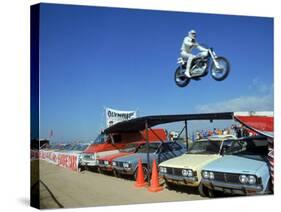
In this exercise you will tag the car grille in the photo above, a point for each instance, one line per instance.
(174, 171)
(101, 162)
(226, 177)
(118, 163)
(87, 157)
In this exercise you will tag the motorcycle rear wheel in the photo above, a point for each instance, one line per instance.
(220, 74)
(180, 79)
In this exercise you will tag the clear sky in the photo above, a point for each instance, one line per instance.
(93, 57)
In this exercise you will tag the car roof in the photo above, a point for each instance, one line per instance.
(221, 137)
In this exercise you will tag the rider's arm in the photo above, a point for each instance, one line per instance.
(201, 48)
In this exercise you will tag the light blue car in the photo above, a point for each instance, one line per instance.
(245, 172)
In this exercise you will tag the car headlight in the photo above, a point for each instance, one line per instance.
(106, 162)
(126, 165)
(252, 179)
(184, 172)
(163, 169)
(205, 174)
(189, 173)
(243, 179)
(114, 163)
(211, 175)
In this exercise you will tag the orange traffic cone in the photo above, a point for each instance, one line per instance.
(154, 187)
(140, 176)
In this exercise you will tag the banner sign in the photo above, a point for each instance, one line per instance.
(115, 116)
(67, 160)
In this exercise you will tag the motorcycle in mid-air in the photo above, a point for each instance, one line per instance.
(219, 68)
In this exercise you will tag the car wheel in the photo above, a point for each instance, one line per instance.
(170, 185)
(115, 173)
(145, 173)
(204, 191)
(99, 170)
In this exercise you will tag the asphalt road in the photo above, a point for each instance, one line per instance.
(63, 188)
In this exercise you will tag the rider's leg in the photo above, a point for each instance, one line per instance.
(188, 64)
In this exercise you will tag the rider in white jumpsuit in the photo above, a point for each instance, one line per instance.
(188, 44)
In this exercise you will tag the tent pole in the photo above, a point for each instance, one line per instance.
(147, 154)
(186, 134)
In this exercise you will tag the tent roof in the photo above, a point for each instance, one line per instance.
(138, 124)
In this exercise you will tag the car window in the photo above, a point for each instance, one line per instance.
(232, 147)
(252, 149)
(205, 147)
(131, 147)
(175, 146)
(153, 147)
(101, 139)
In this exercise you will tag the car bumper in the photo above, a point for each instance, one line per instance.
(105, 167)
(121, 170)
(88, 163)
(232, 188)
(181, 180)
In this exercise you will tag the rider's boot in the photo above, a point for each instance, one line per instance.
(188, 64)
(187, 73)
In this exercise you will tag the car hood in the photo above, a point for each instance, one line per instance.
(235, 164)
(191, 161)
(134, 157)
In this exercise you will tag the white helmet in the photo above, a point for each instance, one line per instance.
(192, 34)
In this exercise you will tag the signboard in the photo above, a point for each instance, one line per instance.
(67, 160)
(114, 116)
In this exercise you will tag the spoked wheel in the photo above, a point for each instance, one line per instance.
(222, 72)
(181, 79)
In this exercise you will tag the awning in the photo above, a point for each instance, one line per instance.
(259, 122)
(138, 124)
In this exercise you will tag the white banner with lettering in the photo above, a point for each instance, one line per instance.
(115, 116)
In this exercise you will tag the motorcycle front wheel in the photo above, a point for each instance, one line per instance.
(180, 79)
(221, 73)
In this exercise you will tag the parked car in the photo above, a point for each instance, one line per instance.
(160, 151)
(185, 169)
(110, 144)
(105, 163)
(244, 172)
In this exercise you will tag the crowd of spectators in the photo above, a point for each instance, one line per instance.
(236, 130)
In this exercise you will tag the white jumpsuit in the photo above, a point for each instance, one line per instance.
(186, 52)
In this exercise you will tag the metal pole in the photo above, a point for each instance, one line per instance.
(186, 134)
(147, 154)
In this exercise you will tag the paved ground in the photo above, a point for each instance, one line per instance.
(60, 187)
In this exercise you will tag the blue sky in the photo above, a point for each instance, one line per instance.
(92, 57)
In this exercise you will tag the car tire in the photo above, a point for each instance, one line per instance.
(203, 190)
(169, 185)
(99, 170)
(145, 172)
(116, 173)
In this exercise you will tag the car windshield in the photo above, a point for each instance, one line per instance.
(130, 147)
(101, 139)
(152, 148)
(256, 150)
(205, 147)
(68, 147)
(80, 147)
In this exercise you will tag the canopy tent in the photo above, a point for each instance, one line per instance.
(138, 124)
